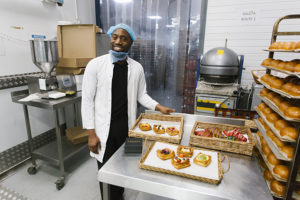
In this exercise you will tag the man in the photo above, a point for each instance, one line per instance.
(112, 85)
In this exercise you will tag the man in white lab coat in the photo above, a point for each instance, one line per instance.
(112, 85)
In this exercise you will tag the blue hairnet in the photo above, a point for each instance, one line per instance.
(129, 30)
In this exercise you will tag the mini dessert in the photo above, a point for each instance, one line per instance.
(273, 117)
(186, 151)
(145, 126)
(292, 112)
(268, 175)
(290, 132)
(282, 171)
(180, 162)
(281, 124)
(278, 187)
(159, 129)
(172, 131)
(202, 160)
(288, 151)
(273, 160)
(165, 153)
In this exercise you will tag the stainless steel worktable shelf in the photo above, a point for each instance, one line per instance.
(56, 152)
(243, 181)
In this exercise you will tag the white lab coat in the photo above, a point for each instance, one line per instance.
(96, 96)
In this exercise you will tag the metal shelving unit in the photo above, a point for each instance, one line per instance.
(290, 186)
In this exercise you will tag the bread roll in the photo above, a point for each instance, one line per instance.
(278, 142)
(271, 80)
(270, 133)
(281, 124)
(263, 142)
(297, 46)
(277, 100)
(289, 45)
(287, 87)
(264, 92)
(275, 63)
(262, 106)
(284, 106)
(266, 111)
(288, 150)
(273, 160)
(276, 45)
(273, 117)
(295, 90)
(290, 132)
(271, 95)
(266, 149)
(289, 66)
(268, 175)
(278, 187)
(261, 120)
(259, 134)
(266, 77)
(297, 68)
(277, 83)
(292, 112)
(282, 171)
(281, 65)
(266, 62)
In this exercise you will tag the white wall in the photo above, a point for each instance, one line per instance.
(249, 37)
(19, 20)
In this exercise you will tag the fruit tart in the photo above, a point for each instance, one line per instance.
(165, 153)
(159, 129)
(172, 131)
(180, 162)
(145, 126)
(202, 160)
(186, 151)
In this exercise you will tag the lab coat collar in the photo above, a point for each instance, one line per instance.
(129, 65)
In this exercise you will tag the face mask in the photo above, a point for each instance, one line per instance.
(117, 56)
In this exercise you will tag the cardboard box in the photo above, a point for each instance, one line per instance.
(77, 44)
(77, 135)
(67, 70)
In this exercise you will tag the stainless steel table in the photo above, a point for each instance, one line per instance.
(243, 181)
(60, 150)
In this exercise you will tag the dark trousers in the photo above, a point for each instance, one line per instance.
(117, 136)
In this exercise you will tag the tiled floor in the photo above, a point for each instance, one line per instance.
(81, 182)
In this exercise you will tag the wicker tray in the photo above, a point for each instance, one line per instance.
(158, 119)
(166, 166)
(223, 144)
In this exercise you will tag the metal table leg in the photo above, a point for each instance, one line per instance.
(106, 194)
(76, 122)
(32, 169)
(60, 182)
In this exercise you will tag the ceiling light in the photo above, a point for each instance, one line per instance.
(154, 17)
(123, 1)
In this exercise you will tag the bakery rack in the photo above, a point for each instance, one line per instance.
(290, 186)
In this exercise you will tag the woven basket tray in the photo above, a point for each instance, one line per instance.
(158, 137)
(178, 173)
(222, 144)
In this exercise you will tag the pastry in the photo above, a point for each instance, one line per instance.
(282, 171)
(295, 90)
(273, 117)
(281, 124)
(186, 151)
(289, 45)
(202, 160)
(277, 83)
(297, 46)
(268, 175)
(288, 151)
(165, 153)
(277, 100)
(275, 63)
(287, 87)
(172, 131)
(159, 129)
(216, 132)
(271, 95)
(290, 132)
(281, 65)
(266, 62)
(284, 106)
(289, 66)
(292, 112)
(267, 111)
(262, 106)
(270, 133)
(265, 78)
(264, 92)
(273, 160)
(278, 142)
(203, 132)
(266, 149)
(278, 187)
(145, 126)
(180, 162)
(297, 68)
(275, 45)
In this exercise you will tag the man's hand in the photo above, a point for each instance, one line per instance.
(163, 109)
(94, 141)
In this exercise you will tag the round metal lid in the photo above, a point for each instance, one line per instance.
(220, 56)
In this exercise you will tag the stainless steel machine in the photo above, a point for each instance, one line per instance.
(219, 75)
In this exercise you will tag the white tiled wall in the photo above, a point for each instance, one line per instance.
(248, 25)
